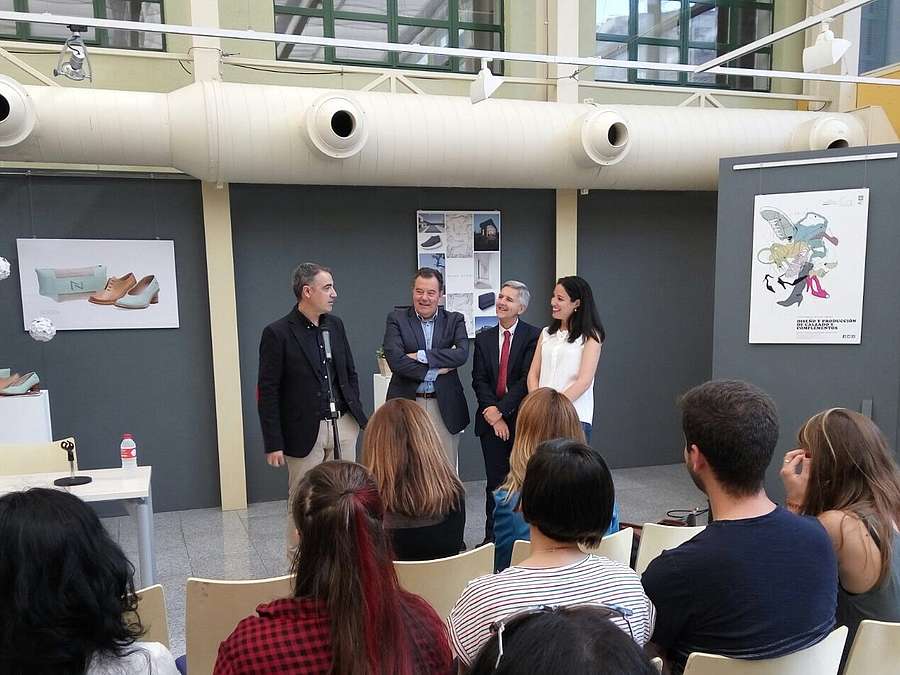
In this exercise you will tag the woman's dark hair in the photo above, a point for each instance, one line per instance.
(563, 640)
(65, 586)
(568, 492)
(585, 321)
(345, 560)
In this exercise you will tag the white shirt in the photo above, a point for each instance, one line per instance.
(149, 658)
(512, 334)
(560, 362)
(595, 579)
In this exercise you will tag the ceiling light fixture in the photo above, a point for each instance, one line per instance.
(827, 51)
(73, 57)
(485, 84)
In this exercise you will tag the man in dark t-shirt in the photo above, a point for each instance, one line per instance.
(759, 582)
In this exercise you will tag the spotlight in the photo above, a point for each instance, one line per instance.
(485, 84)
(73, 58)
(827, 51)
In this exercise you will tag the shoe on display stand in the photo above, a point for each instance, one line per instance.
(116, 287)
(4, 373)
(141, 296)
(21, 385)
(56, 282)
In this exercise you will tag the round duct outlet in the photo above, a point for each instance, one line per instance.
(17, 118)
(336, 126)
(600, 138)
(825, 133)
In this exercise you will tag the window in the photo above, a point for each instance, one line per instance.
(879, 43)
(683, 31)
(123, 10)
(473, 24)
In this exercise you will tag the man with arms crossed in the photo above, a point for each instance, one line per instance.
(293, 393)
(424, 345)
(499, 377)
(759, 582)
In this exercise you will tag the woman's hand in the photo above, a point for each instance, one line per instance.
(795, 477)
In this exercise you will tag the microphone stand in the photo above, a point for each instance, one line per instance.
(71, 479)
(332, 406)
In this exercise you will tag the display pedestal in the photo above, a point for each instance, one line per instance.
(380, 386)
(25, 418)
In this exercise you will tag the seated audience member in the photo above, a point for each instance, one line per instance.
(561, 641)
(544, 414)
(65, 590)
(759, 582)
(424, 500)
(845, 474)
(348, 615)
(567, 500)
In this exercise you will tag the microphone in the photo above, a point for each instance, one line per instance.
(326, 338)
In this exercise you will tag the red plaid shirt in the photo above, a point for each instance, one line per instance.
(293, 635)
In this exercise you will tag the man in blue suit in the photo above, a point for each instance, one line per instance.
(424, 345)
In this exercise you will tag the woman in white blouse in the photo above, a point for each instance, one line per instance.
(568, 350)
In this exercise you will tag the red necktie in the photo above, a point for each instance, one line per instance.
(504, 364)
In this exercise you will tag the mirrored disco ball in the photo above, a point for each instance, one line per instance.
(42, 329)
(4, 268)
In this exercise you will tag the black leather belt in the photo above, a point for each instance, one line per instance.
(429, 394)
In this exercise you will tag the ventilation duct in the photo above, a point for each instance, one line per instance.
(243, 133)
(17, 116)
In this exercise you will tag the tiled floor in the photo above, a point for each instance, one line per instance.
(250, 544)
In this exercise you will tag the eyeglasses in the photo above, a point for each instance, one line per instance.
(498, 627)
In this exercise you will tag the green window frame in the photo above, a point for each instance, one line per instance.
(695, 51)
(95, 37)
(486, 36)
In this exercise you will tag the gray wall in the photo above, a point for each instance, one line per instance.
(366, 235)
(649, 257)
(805, 379)
(156, 384)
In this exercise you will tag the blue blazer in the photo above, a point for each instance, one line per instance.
(509, 525)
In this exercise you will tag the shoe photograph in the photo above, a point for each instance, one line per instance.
(115, 288)
(141, 295)
(431, 242)
(20, 384)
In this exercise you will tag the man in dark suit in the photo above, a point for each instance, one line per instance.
(424, 345)
(293, 392)
(499, 377)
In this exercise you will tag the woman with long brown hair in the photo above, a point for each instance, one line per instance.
(348, 614)
(545, 414)
(424, 500)
(844, 474)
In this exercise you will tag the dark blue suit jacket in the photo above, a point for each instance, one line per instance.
(449, 349)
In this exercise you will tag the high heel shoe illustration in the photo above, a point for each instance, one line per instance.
(116, 287)
(142, 295)
(815, 288)
(22, 385)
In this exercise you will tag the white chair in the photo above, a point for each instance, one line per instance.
(214, 608)
(521, 550)
(152, 612)
(613, 546)
(658, 538)
(823, 658)
(440, 582)
(19, 458)
(875, 650)
(657, 663)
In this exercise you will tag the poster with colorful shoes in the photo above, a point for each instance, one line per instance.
(91, 284)
(808, 267)
(464, 246)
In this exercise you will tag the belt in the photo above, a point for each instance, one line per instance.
(327, 416)
(429, 394)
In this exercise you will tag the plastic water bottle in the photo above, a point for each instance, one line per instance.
(128, 451)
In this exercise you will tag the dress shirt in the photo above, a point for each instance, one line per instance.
(313, 335)
(512, 334)
(427, 386)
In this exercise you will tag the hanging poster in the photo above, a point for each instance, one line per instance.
(85, 284)
(465, 247)
(809, 263)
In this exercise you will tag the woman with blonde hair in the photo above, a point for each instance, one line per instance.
(424, 500)
(545, 414)
(844, 474)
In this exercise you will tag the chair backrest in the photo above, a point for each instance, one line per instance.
(823, 658)
(658, 538)
(440, 582)
(152, 611)
(615, 546)
(16, 458)
(875, 650)
(657, 663)
(214, 608)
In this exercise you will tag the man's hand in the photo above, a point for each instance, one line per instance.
(445, 371)
(501, 430)
(275, 458)
(492, 415)
(413, 356)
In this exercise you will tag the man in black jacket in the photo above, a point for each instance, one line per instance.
(499, 377)
(424, 345)
(293, 392)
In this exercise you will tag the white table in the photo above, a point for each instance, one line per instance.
(25, 418)
(129, 486)
(379, 388)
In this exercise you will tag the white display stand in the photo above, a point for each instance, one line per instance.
(380, 386)
(25, 418)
